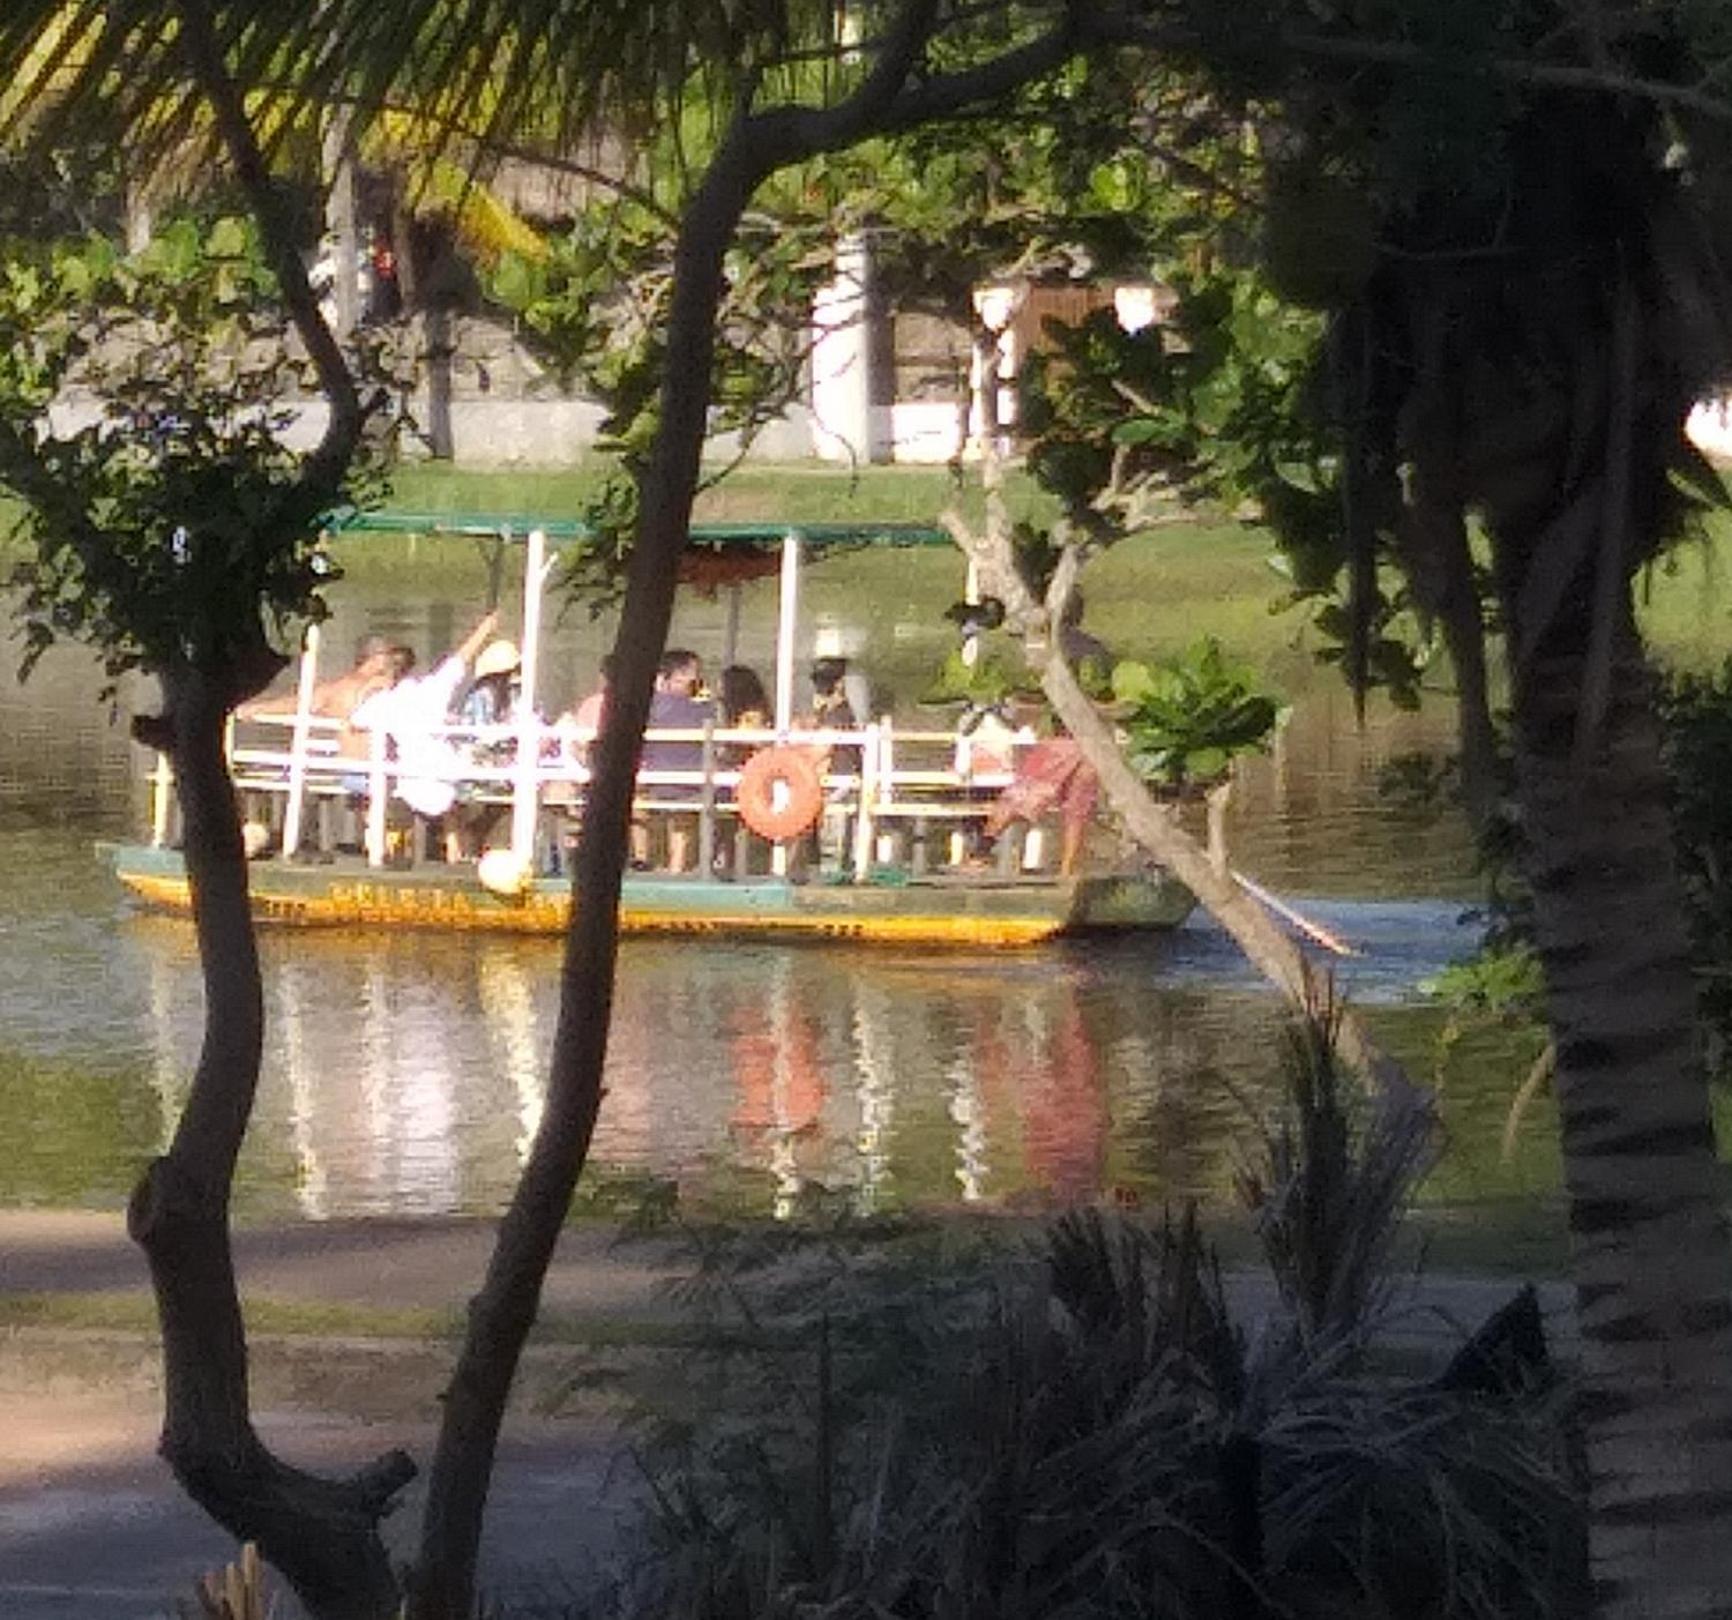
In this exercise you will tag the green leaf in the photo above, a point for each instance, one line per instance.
(1138, 430)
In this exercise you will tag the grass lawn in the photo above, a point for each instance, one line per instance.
(1147, 598)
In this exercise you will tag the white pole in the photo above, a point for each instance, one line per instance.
(377, 788)
(298, 743)
(731, 631)
(863, 817)
(525, 797)
(787, 624)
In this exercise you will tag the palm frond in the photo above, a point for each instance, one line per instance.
(1335, 1179)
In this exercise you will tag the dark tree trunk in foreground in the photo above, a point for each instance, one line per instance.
(321, 1534)
(502, 1314)
(1653, 1265)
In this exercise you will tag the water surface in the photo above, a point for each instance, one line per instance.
(404, 1072)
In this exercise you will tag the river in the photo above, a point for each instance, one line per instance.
(404, 1072)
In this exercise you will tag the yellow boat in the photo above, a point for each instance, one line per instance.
(943, 911)
(895, 823)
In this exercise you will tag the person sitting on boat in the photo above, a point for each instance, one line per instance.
(591, 712)
(832, 710)
(579, 726)
(570, 751)
(493, 709)
(745, 704)
(1052, 775)
(413, 715)
(338, 697)
(496, 692)
(379, 662)
(986, 739)
(675, 706)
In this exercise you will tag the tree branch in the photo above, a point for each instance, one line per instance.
(1288, 44)
(328, 464)
(1150, 823)
(945, 95)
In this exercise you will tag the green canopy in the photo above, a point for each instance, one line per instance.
(566, 531)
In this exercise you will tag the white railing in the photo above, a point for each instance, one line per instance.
(906, 784)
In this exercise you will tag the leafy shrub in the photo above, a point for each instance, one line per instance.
(1189, 719)
(176, 522)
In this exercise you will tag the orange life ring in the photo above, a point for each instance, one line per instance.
(796, 773)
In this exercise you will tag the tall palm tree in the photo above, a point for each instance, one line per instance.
(1526, 310)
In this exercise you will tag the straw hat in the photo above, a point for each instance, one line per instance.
(497, 658)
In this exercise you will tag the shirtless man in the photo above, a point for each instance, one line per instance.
(375, 667)
(379, 664)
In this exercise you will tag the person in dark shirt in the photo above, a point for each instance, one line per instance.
(675, 706)
(832, 710)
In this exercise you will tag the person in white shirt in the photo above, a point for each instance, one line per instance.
(413, 714)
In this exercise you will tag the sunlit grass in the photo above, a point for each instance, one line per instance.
(1149, 597)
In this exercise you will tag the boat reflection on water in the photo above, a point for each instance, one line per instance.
(404, 1074)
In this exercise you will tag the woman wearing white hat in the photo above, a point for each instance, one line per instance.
(490, 700)
(491, 708)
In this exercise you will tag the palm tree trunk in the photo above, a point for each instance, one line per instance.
(321, 1534)
(1652, 1263)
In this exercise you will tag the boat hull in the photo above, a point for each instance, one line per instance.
(348, 893)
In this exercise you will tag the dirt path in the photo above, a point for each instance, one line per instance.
(93, 1528)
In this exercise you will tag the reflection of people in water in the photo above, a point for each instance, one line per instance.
(1065, 1120)
(779, 1080)
(778, 1072)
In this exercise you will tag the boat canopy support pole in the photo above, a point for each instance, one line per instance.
(787, 624)
(525, 794)
(298, 741)
(377, 788)
(731, 628)
(863, 824)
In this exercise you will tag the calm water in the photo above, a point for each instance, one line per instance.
(404, 1072)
